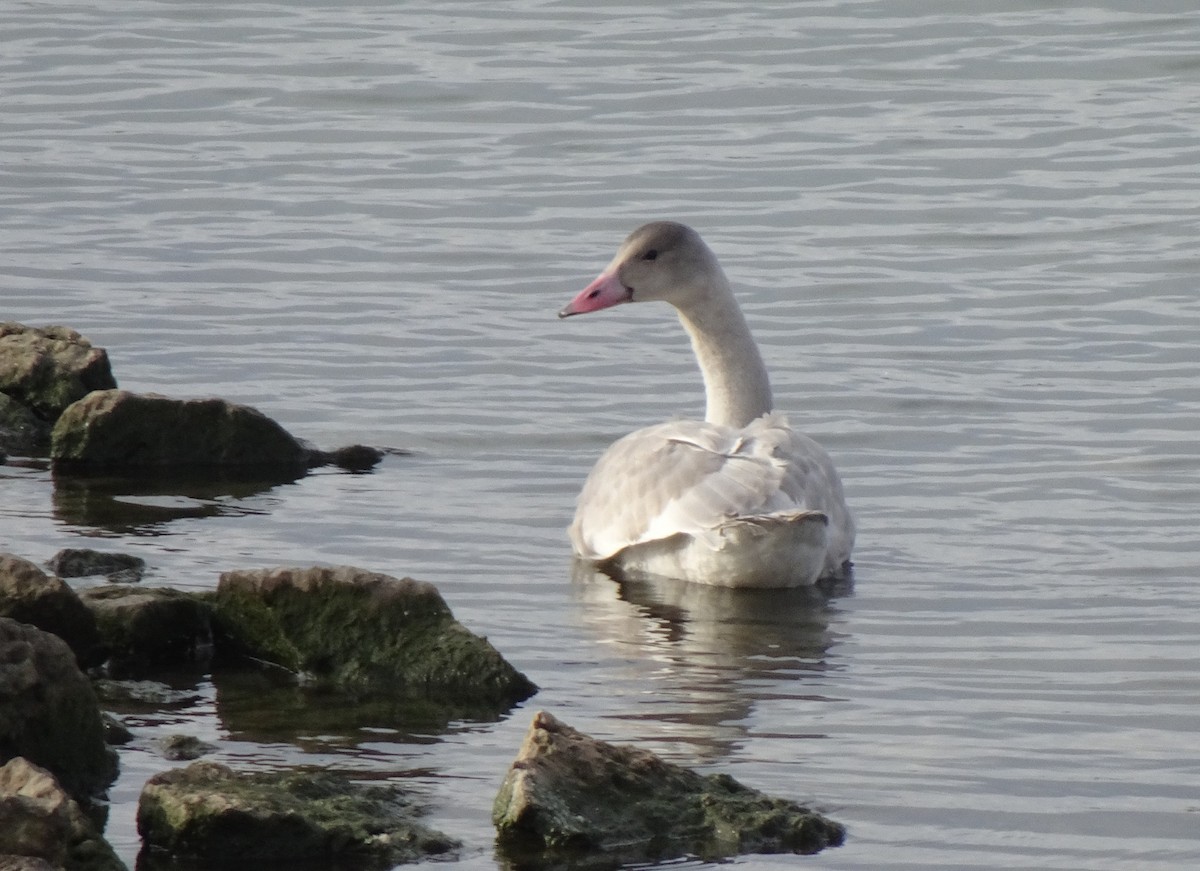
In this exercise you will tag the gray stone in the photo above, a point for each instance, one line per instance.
(39, 821)
(47, 369)
(180, 748)
(48, 711)
(83, 562)
(208, 813)
(569, 796)
(30, 595)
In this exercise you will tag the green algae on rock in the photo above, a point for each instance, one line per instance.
(39, 820)
(364, 632)
(42, 371)
(569, 796)
(225, 819)
(119, 429)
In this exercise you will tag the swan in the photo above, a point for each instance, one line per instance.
(739, 499)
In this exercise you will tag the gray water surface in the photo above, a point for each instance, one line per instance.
(966, 239)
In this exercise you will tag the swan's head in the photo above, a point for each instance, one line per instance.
(663, 260)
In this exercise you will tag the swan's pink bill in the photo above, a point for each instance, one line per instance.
(605, 292)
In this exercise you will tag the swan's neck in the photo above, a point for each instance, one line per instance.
(735, 379)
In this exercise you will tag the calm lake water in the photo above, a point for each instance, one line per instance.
(966, 240)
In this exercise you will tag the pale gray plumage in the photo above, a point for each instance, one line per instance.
(739, 499)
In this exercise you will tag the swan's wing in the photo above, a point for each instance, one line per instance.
(811, 482)
(691, 477)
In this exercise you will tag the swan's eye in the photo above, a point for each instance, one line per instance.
(652, 254)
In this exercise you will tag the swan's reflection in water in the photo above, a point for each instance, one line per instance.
(694, 662)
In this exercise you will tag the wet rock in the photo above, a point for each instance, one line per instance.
(119, 429)
(147, 695)
(208, 812)
(30, 595)
(48, 711)
(116, 732)
(179, 748)
(21, 431)
(352, 458)
(569, 795)
(82, 562)
(42, 371)
(38, 820)
(26, 863)
(149, 628)
(365, 631)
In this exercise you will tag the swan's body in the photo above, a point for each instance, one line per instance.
(738, 499)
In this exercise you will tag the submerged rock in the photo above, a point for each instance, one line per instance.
(149, 628)
(82, 562)
(119, 429)
(568, 795)
(48, 711)
(180, 748)
(42, 371)
(353, 458)
(38, 820)
(208, 812)
(365, 631)
(30, 595)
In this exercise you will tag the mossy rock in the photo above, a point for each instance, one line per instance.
(110, 429)
(46, 369)
(40, 822)
(568, 796)
(209, 813)
(364, 631)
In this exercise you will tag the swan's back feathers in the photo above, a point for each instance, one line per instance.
(694, 478)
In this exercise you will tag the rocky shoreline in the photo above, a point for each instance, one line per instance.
(381, 643)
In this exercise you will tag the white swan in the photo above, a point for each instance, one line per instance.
(738, 499)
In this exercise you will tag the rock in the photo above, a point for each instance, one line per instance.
(118, 429)
(21, 431)
(208, 813)
(569, 795)
(42, 371)
(179, 748)
(353, 458)
(145, 695)
(364, 631)
(30, 595)
(73, 562)
(26, 863)
(39, 821)
(48, 711)
(116, 732)
(148, 628)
